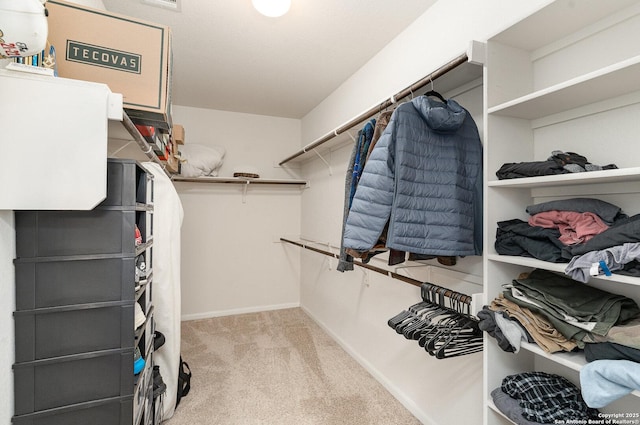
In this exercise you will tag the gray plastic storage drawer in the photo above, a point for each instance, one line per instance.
(54, 332)
(64, 281)
(64, 233)
(47, 384)
(128, 183)
(114, 411)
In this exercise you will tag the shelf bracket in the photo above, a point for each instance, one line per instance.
(244, 191)
(324, 160)
(113, 154)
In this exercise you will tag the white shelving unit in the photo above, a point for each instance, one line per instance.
(565, 78)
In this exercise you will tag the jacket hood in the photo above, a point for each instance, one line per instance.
(441, 117)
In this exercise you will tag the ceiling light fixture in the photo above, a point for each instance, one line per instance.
(165, 4)
(272, 8)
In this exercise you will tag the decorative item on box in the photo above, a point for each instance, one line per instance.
(23, 28)
(131, 56)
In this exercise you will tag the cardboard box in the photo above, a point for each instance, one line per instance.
(131, 56)
(178, 134)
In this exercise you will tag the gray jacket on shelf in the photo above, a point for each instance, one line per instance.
(424, 177)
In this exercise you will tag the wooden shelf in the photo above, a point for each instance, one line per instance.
(609, 82)
(239, 180)
(573, 360)
(557, 267)
(591, 177)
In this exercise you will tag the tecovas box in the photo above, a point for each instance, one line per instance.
(131, 56)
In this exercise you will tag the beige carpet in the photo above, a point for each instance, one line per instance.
(277, 367)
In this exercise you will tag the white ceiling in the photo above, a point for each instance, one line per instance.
(229, 57)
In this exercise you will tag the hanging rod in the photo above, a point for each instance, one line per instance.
(376, 109)
(146, 147)
(466, 299)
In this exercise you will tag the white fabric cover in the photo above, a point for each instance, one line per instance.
(167, 220)
(199, 160)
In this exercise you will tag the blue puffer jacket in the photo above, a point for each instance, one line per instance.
(424, 177)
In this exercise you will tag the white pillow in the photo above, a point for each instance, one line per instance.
(199, 160)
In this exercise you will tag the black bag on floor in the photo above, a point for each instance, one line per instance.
(184, 380)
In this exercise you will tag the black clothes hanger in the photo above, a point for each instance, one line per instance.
(442, 323)
(410, 316)
(436, 94)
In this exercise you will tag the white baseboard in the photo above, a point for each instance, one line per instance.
(397, 393)
(232, 312)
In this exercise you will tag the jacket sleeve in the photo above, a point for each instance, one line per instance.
(371, 206)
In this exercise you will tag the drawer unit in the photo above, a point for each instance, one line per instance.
(54, 332)
(62, 281)
(128, 184)
(62, 381)
(111, 411)
(77, 285)
(64, 233)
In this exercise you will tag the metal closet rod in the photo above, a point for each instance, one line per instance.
(466, 299)
(377, 109)
(144, 145)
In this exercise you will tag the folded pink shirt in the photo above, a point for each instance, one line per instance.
(574, 227)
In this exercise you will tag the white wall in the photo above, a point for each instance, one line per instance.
(230, 262)
(442, 33)
(354, 310)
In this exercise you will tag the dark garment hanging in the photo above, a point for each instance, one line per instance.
(362, 148)
(518, 238)
(395, 257)
(345, 261)
(381, 124)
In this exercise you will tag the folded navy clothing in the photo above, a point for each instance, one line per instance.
(610, 351)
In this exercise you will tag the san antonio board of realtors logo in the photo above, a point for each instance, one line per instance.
(103, 57)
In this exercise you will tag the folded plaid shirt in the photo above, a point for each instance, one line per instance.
(545, 397)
